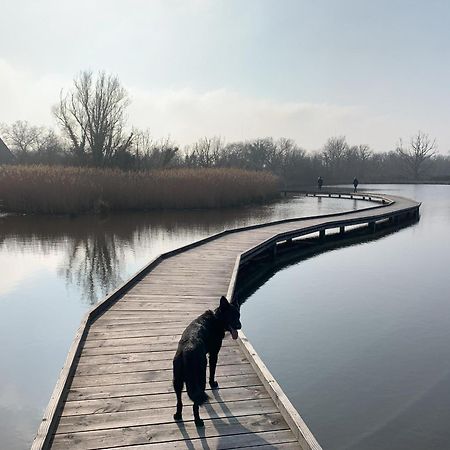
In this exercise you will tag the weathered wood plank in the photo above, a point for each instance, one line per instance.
(154, 416)
(98, 369)
(137, 348)
(149, 401)
(91, 440)
(148, 375)
(157, 387)
(226, 354)
(273, 440)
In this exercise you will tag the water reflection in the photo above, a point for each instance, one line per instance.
(362, 335)
(99, 252)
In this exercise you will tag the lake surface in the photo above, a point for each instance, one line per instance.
(359, 337)
(53, 269)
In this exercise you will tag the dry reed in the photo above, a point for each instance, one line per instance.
(72, 190)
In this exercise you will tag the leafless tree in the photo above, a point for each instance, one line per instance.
(30, 143)
(21, 137)
(333, 155)
(153, 154)
(420, 150)
(92, 115)
(206, 152)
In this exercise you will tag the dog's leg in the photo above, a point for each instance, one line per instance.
(178, 390)
(212, 370)
(198, 422)
(178, 384)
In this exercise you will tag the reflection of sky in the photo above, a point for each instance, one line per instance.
(53, 269)
(370, 325)
(18, 267)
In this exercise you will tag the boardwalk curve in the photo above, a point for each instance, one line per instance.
(115, 389)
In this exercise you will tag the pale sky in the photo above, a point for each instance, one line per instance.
(373, 71)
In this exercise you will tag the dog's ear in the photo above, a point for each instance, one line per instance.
(224, 302)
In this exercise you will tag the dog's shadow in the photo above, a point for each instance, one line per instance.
(217, 417)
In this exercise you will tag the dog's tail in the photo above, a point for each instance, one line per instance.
(194, 366)
(196, 394)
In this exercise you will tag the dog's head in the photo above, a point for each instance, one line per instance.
(230, 315)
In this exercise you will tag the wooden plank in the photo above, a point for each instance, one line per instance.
(154, 416)
(146, 306)
(137, 348)
(226, 354)
(145, 340)
(112, 368)
(149, 401)
(91, 440)
(265, 440)
(107, 321)
(119, 332)
(157, 387)
(148, 375)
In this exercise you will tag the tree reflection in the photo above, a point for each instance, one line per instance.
(94, 265)
(96, 250)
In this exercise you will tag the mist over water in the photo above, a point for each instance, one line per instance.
(53, 269)
(358, 337)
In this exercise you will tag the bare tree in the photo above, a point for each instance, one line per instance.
(92, 115)
(333, 155)
(206, 152)
(21, 137)
(421, 149)
(152, 154)
(30, 143)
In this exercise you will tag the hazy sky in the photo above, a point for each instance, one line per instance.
(373, 71)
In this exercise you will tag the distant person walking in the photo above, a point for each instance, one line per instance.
(355, 184)
(319, 183)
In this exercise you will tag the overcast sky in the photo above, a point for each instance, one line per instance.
(372, 71)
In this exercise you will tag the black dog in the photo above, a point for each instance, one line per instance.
(203, 335)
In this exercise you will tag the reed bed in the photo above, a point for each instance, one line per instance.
(73, 190)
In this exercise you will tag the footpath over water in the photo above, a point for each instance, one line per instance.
(115, 389)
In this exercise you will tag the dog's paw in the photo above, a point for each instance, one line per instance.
(214, 384)
(199, 423)
(177, 417)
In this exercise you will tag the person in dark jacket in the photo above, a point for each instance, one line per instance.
(319, 183)
(355, 184)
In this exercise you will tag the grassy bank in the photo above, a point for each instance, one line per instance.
(72, 190)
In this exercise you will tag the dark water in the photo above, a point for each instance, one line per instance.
(359, 338)
(53, 269)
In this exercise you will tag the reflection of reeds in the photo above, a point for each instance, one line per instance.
(65, 190)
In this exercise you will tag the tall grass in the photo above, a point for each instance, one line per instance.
(71, 190)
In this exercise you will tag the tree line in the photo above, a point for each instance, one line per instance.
(91, 117)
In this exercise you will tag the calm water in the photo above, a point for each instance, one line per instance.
(53, 269)
(360, 340)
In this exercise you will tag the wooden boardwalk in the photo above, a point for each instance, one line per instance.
(115, 388)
